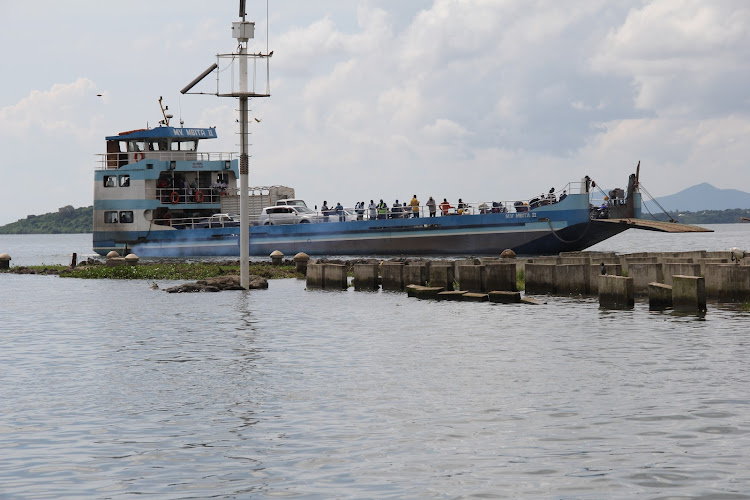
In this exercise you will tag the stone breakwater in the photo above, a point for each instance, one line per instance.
(679, 280)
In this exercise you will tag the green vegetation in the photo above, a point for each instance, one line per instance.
(705, 216)
(66, 220)
(160, 271)
(521, 280)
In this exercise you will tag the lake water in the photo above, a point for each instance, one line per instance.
(111, 389)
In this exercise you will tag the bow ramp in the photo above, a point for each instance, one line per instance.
(655, 225)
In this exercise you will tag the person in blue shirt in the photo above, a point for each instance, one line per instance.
(340, 211)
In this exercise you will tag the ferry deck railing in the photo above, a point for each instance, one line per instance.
(186, 196)
(113, 161)
(401, 212)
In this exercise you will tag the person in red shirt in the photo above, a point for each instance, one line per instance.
(445, 206)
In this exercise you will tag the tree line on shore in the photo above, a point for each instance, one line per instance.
(66, 220)
(729, 216)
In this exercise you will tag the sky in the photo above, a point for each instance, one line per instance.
(370, 99)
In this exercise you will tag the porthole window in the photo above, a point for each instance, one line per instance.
(110, 217)
(124, 180)
(110, 181)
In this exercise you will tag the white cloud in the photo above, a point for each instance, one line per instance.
(684, 57)
(64, 110)
(470, 98)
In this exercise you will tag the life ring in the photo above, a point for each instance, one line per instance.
(167, 216)
(174, 197)
(199, 196)
(135, 156)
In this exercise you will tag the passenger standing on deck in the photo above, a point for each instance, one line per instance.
(414, 206)
(445, 206)
(324, 211)
(373, 210)
(382, 209)
(361, 210)
(340, 211)
(461, 206)
(431, 205)
(396, 211)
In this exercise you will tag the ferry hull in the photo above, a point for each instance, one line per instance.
(475, 235)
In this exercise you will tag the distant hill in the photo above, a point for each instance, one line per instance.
(701, 197)
(731, 216)
(66, 220)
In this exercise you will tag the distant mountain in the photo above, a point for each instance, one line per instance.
(701, 197)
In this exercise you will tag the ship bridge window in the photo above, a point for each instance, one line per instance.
(184, 145)
(159, 145)
(124, 180)
(110, 217)
(136, 146)
(110, 181)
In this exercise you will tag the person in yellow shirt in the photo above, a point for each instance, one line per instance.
(414, 206)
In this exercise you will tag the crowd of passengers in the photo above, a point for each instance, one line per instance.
(403, 210)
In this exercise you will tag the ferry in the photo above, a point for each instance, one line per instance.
(157, 195)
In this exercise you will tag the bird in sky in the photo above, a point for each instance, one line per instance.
(257, 120)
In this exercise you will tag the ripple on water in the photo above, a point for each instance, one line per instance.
(114, 389)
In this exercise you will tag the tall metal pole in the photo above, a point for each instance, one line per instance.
(244, 219)
(242, 31)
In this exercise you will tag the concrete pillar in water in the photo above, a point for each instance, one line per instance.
(474, 297)
(683, 269)
(504, 297)
(393, 275)
(540, 278)
(500, 277)
(616, 292)
(334, 277)
(728, 282)
(451, 295)
(470, 278)
(626, 260)
(315, 275)
(415, 274)
(428, 292)
(595, 270)
(463, 262)
(4, 261)
(131, 259)
(572, 278)
(659, 296)
(643, 274)
(708, 261)
(441, 275)
(677, 260)
(688, 293)
(366, 277)
(574, 260)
